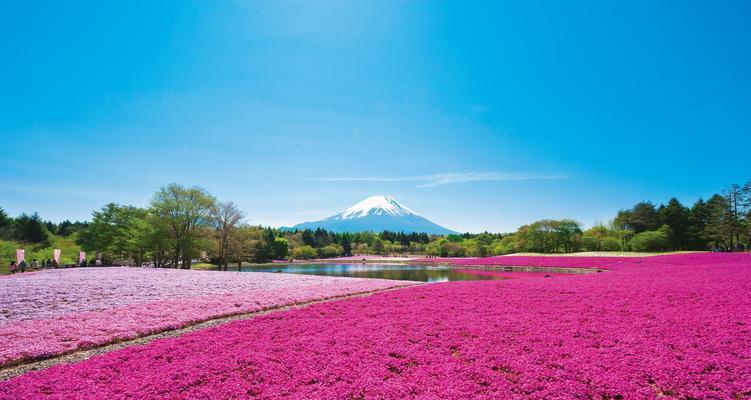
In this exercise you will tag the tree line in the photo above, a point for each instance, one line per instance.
(182, 224)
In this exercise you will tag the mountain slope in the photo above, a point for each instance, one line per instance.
(376, 213)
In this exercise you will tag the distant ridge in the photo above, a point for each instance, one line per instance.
(376, 214)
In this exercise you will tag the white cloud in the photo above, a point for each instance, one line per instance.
(449, 178)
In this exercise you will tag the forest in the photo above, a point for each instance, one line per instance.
(182, 224)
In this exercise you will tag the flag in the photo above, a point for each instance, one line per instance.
(56, 255)
(19, 256)
(81, 256)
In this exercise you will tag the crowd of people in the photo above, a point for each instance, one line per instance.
(48, 263)
(34, 265)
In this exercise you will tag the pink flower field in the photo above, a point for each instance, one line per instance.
(56, 311)
(658, 327)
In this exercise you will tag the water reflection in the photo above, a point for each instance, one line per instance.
(420, 273)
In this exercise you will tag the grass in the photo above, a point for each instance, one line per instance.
(40, 251)
(203, 266)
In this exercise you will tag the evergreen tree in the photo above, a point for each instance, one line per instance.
(640, 218)
(719, 229)
(346, 246)
(308, 239)
(697, 221)
(676, 216)
(6, 225)
(30, 229)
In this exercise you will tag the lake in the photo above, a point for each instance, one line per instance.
(422, 273)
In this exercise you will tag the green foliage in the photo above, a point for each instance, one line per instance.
(641, 217)
(304, 252)
(550, 236)
(649, 241)
(331, 250)
(610, 244)
(41, 251)
(676, 216)
(30, 229)
(505, 245)
(182, 222)
(186, 211)
(280, 248)
(120, 233)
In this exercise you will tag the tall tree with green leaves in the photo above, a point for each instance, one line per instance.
(30, 229)
(641, 217)
(676, 216)
(186, 210)
(225, 218)
(119, 233)
(719, 229)
(6, 225)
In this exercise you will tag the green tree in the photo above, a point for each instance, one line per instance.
(378, 246)
(720, 226)
(6, 225)
(676, 216)
(119, 233)
(280, 248)
(225, 217)
(240, 246)
(697, 220)
(346, 245)
(641, 217)
(568, 234)
(610, 244)
(30, 229)
(650, 241)
(186, 211)
(331, 250)
(304, 252)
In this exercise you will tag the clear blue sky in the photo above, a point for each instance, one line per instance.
(589, 107)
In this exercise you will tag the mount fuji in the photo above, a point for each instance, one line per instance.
(376, 214)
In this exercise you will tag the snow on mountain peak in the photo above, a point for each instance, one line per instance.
(376, 205)
(376, 214)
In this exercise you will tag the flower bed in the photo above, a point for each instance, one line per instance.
(674, 327)
(542, 261)
(56, 311)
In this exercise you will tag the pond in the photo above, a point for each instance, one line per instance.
(422, 273)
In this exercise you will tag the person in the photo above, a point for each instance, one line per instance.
(48, 263)
(13, 267)
(54, 264)
(22, 266)
(34, 264)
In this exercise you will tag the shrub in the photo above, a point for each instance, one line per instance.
(304, 253)
(650, 241)
(332, 250)
(590, 243)
(610, 244)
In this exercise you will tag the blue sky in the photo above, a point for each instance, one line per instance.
(478, 116)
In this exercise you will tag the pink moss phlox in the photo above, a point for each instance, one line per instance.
(658, 327)
(57, 311)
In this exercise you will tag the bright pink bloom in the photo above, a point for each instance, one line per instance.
(57, 311)
(674, 326)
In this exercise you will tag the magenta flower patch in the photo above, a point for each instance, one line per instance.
(658, 327)
(57, 311)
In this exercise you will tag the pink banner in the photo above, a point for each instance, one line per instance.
(20, 256)
(81, 256)
(56, 255)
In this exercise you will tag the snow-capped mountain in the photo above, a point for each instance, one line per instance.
(376, 214)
